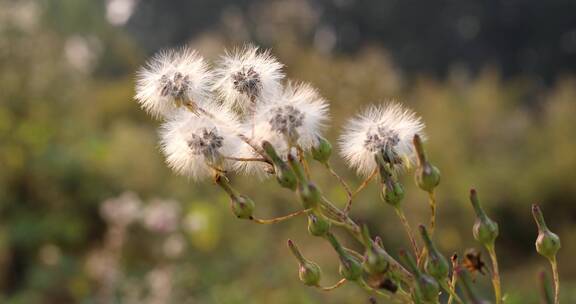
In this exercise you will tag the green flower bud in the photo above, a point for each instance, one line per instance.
(318, 225)
(392, 193)
(485, 230)
(547, 243)
(426, 288)
(309, 195)
(308, 272)
(350, 267)
(427, 175)
(284, 175)
(242, 206)
(375, 261)
(436, 264)
(322, 151)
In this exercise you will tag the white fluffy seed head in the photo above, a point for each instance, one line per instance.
(171, 78)
(195, 146)
(376, 129)
(296, 116)
(247, 76)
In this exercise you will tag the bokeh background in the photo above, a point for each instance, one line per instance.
(90, 214)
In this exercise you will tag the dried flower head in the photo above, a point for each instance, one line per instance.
(196, 146)
(388, 129)
(247, 76)
(295, 117)
(173, 78)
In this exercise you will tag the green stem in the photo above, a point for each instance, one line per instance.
(495, 273)
(453, 296)
(355, 231)
(556, 278)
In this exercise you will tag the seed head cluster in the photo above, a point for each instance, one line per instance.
(216, 119)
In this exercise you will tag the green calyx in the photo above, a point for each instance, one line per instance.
(436, 264)
(308, 272)
(322, 151)
(547, 243)
(350, 267)
(426, 289)
(284, 175)
(485, 230)
(375, 262)
(318, 225)
(242, 206)
(309, 194)
(427, 175)
(392, 191)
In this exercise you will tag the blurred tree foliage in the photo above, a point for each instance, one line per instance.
(71, 136)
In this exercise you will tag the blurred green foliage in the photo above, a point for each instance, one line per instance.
(71, 136)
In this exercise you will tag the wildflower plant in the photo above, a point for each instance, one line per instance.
(243, 117)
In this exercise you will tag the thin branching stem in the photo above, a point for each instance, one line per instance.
(355, 231)
(495, 273)
(330, 288)
(451, 291)
(556, 279)
(280, 218)
(302, 158)
(408, 230)
(432, 203)
(246, 159)
(454, 278)
(344, 185)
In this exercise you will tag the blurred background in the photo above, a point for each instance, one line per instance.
(89, 213)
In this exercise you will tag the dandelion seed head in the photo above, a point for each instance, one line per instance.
(248, 76)
(286, 120)
(195, 146)
(173, 78)
(389, 129)
(296, 117)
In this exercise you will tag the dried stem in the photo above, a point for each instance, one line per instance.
(495, 273)
(432, 203)
(344, 185)
(303, 161)
(409, 231)
(454, 278)
(258, 159)
(330, 288)
(280, 218)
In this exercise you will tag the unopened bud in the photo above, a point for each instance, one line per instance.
(547, 243)
(485, 230)
(375, 261)
(427, 175)
(436, 264)
(242, 206)
(284, 175)
(309, 195)
(392, 193)
(322, 151)
(350, 267)
(426, 289)
(392, 190)
(308, 272)
(318, 225)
